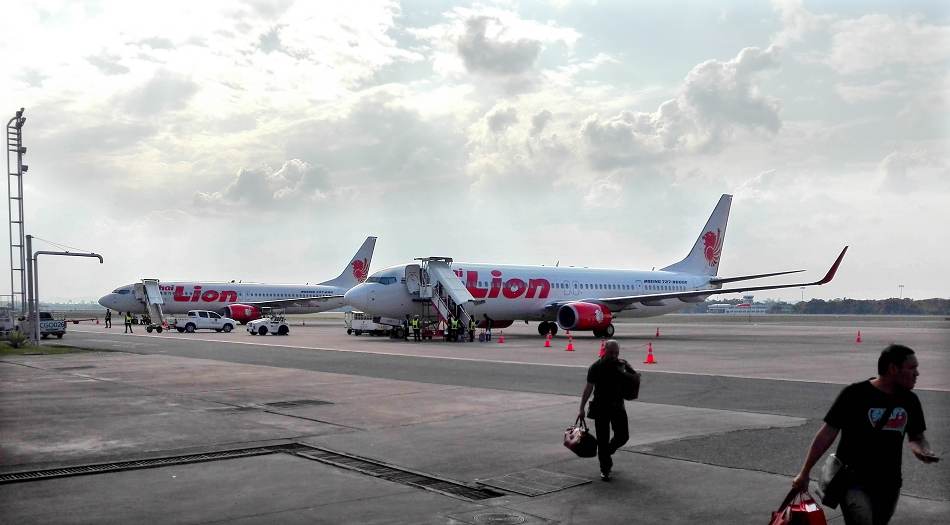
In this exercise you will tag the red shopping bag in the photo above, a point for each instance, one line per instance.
(799, 508)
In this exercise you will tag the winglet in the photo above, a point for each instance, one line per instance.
(834, 268)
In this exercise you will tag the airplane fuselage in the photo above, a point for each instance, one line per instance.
(525, 292)
(180, 297)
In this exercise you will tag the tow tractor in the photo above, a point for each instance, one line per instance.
(273, 324)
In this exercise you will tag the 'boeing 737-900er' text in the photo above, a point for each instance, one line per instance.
(243, 301)
(569, 298)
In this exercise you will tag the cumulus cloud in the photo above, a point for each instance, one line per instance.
(486, 48)
(108, 64)
(539, 121)
(165, 91)
(295, 182)
(500, 118)
(914, 170)
(874, 41)
(604, 193)
(716, 98)
(796, 21)
(157, 43)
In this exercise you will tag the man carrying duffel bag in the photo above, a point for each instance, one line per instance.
(608, 379)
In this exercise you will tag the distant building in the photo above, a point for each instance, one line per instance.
(745, 307)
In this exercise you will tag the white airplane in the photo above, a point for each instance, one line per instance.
(243, 301)
(577, 299)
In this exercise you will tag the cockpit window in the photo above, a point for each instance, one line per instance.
(384, 280)
(122, 291)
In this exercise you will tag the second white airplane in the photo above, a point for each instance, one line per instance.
(243, 301)
(579, 299)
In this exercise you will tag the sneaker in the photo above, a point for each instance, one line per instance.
(605, 476)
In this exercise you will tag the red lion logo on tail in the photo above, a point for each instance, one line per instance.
(360, 269)
(713, 247)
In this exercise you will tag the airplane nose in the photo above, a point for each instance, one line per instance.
(106, 301)
(356, 297)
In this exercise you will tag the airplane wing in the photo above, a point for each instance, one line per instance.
(696, 296)
(327, 302)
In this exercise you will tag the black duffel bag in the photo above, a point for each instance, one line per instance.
(630, 384)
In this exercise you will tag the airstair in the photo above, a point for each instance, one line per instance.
(434, 283)
(149, 293)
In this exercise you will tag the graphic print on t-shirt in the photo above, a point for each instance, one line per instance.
(896, 422)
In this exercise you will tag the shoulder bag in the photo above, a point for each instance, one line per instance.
(834, 473)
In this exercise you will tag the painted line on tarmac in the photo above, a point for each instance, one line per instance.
(499, 361)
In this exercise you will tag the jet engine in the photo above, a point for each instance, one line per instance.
(584, 316)
(241, 313)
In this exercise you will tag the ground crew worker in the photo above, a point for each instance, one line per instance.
(471, 329)
(108, 318)
(128, 323)
(415, 329)
(450, 328)
(456, 328)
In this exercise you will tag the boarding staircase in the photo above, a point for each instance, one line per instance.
(149, 293)
(433, 282)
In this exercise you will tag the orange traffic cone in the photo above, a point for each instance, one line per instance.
(658, 331)
(650, 360)
(858, 339)
(602, 351)
(547, 340)
(570, 342)
(501, 338)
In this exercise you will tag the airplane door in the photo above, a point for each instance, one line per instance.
(576, 288)
(639, 285)
(412, 278)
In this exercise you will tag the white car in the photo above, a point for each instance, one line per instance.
(204, 320)
(274, 324)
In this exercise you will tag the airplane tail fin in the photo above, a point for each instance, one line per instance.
(357, 270)
(703, 259)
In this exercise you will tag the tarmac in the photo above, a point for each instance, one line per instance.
(321, 427)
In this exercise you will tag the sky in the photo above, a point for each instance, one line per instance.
(264, 140)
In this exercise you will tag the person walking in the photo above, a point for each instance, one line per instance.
(604, 380)
(128, 323)
(872, 417)
(108, 318)
(471, 329)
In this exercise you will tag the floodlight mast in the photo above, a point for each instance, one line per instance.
(16, 168)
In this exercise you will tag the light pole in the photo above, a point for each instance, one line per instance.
(802, 288)
(901, 295)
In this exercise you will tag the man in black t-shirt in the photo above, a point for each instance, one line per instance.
(870, 446)
(604, 379)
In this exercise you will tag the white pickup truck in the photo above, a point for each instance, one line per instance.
(204, 320)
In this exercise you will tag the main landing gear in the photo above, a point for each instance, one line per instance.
(547, 326)
(604, 332)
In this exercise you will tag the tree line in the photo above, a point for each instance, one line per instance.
(892, 306)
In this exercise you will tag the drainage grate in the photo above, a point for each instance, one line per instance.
(101, 468)
(397, 475)
(346, 461)
(297, 403)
